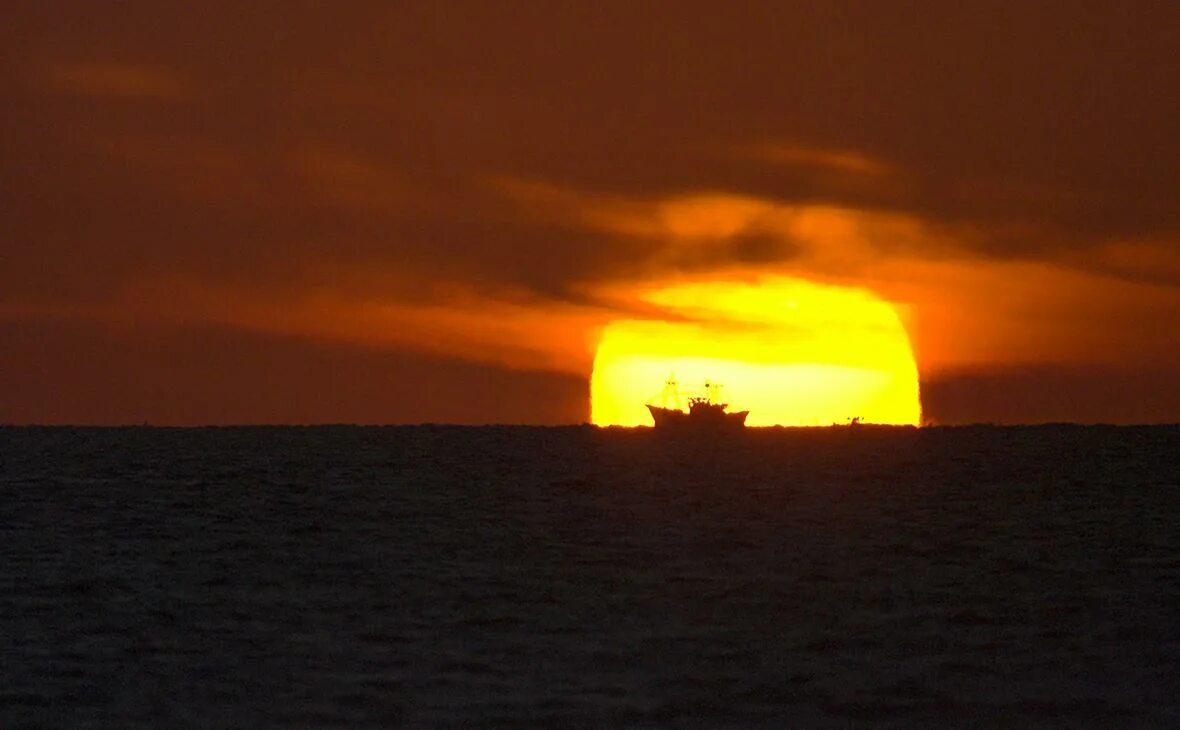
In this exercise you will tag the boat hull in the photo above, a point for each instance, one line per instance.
(700, 420)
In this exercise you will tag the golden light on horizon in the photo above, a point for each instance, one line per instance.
(792, 352)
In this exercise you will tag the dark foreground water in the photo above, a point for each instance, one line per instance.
(446, 576)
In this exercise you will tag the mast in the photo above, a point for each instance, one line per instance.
(671, 389)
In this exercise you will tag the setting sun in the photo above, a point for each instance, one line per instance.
(792, 352)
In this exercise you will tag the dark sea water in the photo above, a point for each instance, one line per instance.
(447, 576)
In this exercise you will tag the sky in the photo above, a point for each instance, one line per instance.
(372, 212)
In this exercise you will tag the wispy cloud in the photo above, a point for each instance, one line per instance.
(973, 301)
(845, 161)
(191, 166)
(111, 79)
(715, 229)
(349, 180)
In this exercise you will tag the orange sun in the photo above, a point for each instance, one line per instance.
(792, 352)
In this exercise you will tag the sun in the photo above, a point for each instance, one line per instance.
(792, 352)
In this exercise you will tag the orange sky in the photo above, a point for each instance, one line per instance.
(319, 212)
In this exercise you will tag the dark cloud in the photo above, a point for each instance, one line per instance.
(67, 372)
(1052, 394)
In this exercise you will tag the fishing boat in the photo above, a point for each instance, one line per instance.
(705, 411)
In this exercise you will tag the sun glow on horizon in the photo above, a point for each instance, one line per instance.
(792, 352)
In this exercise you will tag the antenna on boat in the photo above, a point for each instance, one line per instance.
(712, 391)
(671, 389)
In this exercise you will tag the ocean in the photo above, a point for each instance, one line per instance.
(441, 576)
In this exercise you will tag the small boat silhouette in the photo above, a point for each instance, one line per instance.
(705, 412)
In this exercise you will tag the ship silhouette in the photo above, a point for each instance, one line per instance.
(705, 412)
